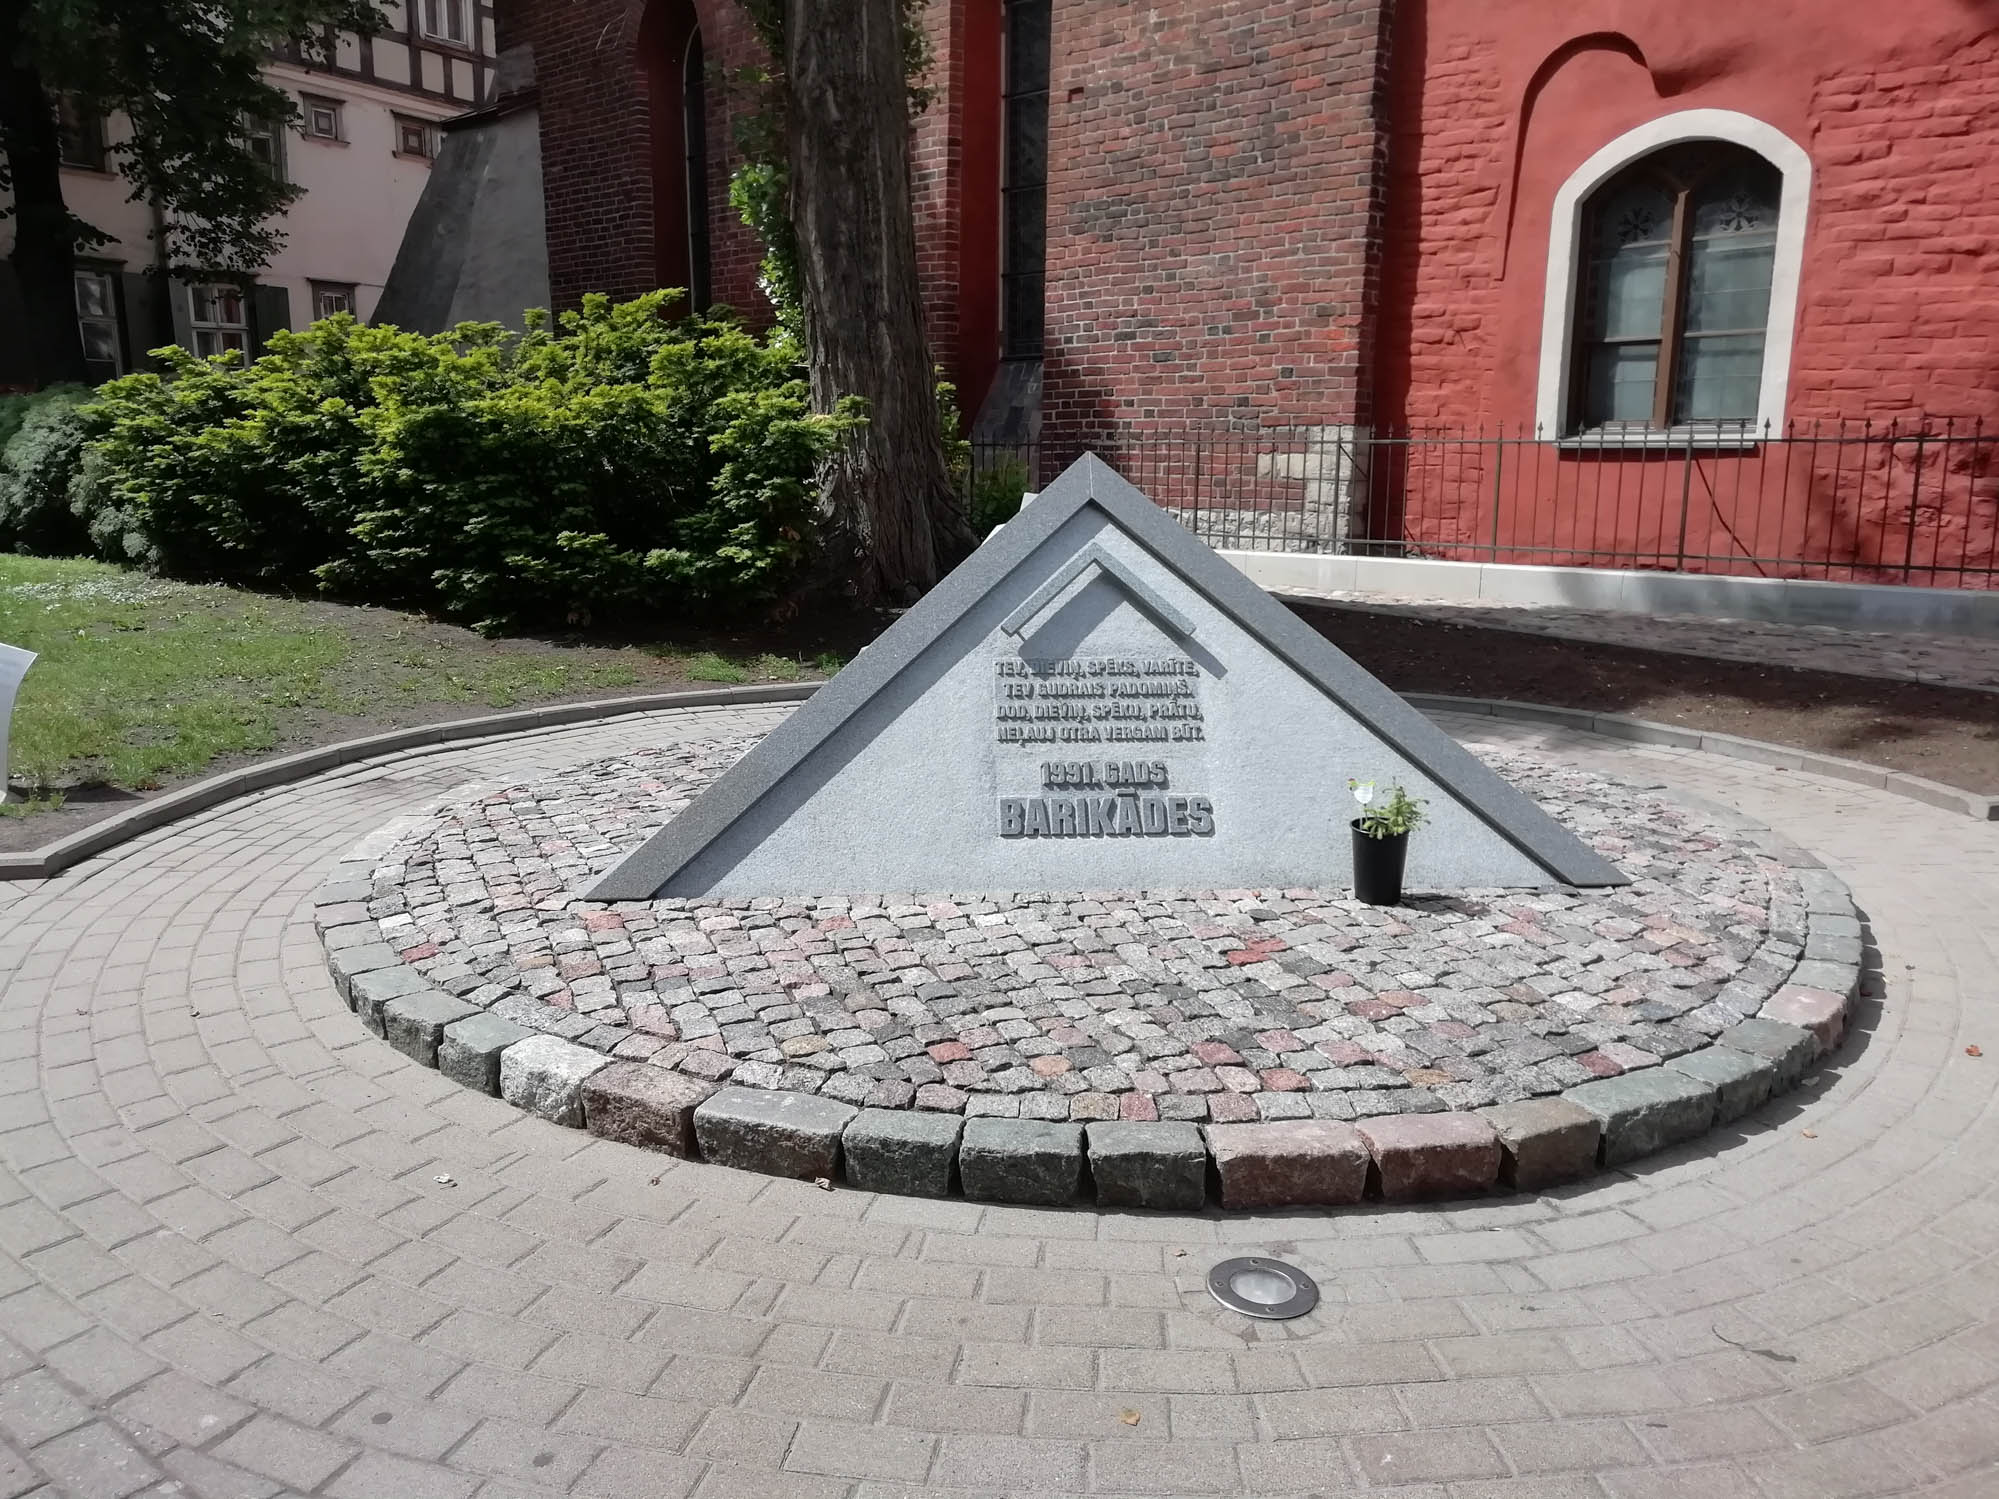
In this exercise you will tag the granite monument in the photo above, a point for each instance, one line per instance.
(1094, 700)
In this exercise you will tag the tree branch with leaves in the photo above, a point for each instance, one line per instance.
(187, 77)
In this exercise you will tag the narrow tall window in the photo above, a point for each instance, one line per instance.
(265, 140)
(80, 136)
(1673, 299)
(97, 322)
(694, 131)
(1024, 186)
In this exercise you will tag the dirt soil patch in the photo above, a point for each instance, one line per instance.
(1942, 733)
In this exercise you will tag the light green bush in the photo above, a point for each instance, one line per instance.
(613, 466)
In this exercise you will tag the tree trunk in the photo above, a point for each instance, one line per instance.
(44, 256)
(889, 492)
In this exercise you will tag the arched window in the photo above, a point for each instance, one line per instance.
(671, 54)
(1674, 258)
(1673, 298)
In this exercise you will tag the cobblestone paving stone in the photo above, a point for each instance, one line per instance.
(1907, 656)
(1224, 1005)
(249, 1249)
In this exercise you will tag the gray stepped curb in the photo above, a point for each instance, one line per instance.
(53, 858)
(1602, 1124)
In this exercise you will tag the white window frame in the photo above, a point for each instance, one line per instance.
(198, 325)
(428, 12)
(1551, 396)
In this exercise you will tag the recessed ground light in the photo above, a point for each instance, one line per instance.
(1269, 1289)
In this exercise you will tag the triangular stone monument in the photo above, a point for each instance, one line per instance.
(1094, 700)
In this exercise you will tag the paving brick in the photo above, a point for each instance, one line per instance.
(1819, 1011)
(469, 1050)
(1646, 1111)
(1543, 1141)
(779, 1133)
(412, 1023)
(1294, 1163)
(1021, 1160)
(912, 1154)
(1431, 1155)
(645, 1106)
(544, 1075)
(1148, 1165)
(1741, 1080)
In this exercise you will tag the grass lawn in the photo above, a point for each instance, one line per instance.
(142, 682)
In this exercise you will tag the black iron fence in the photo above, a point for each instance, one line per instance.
(1914, 503)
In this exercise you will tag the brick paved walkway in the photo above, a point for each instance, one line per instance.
(1942, 660)
(246, 1249)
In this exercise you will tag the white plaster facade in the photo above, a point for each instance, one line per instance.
(359, 184)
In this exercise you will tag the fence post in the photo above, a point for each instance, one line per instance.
(1686, 497)
(1498, 469)
(1915, 500)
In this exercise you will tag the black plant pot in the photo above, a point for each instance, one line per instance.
(1377, 866)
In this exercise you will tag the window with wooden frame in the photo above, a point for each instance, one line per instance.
(331, 298)
(322, 118)
(80, 136)
(220, 319)
(97, 321)
(1675, 263)
(416, 137)
(265, 140)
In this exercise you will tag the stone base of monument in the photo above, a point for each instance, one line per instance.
(1253, 1049)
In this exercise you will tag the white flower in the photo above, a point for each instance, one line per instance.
(1363, 791)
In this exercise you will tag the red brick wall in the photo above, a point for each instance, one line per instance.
(1898, 108)
(597, 145)
(1214, 191)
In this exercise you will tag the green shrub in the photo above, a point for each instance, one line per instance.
(616, 465)
(37, 465)
(996, 494)
(14, 409)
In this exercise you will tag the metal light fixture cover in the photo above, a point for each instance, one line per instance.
(1267, 1289)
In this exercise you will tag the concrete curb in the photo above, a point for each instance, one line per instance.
(53, 858)
(1602, 1124)
(1644, 731)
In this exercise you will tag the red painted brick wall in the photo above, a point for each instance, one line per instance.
(1898, 109)
(1214, 189)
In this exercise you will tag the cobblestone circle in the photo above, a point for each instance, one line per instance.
(247, 1249)
(1218, 1006)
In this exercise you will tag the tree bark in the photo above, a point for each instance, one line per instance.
(888, 493)
(44, 255)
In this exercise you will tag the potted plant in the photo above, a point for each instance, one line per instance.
(1381, 841)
